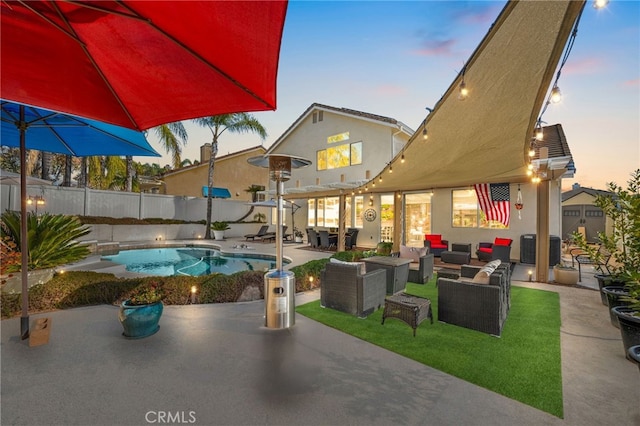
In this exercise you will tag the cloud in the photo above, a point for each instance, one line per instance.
(589, 65)
(390, 90)
(480, 15)
(631, 83)
(436, 48)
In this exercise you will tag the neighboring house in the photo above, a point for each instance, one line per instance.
(579, 213)
(231, 172)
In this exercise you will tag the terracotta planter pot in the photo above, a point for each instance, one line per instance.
(567, 276)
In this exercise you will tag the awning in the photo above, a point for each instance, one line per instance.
(216, 192)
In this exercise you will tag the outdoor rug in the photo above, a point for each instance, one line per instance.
(524, 364)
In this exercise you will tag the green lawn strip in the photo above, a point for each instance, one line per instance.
(524, 364)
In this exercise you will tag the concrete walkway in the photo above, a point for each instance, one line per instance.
(218, 365)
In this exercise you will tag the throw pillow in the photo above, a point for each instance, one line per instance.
(412, 253)
(482, 277)
(360, 265)
(493, 264)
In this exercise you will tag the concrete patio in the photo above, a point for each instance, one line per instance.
(217, 364)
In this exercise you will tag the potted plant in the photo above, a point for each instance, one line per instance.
(297, 235)
(564, 274)
(628, 316)
(141, 312)
(218, 229)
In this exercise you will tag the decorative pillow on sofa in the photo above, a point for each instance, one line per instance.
(413, 253)
(360, 265)
(483, 275)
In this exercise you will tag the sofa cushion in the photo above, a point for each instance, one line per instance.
(360, 265)
(502, 241)
(486, 249)
(413, 253)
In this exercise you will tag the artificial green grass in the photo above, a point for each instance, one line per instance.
(523, 364)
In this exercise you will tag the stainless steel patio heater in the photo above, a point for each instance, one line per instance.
(279, 285)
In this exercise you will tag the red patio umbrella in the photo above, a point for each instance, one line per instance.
(139, 64)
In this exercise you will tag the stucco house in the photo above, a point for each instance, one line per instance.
(351, 151)
(231, 173)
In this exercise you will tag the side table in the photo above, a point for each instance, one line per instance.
(410, 309)
(397, 271)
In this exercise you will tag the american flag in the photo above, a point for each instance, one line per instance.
(494, 201)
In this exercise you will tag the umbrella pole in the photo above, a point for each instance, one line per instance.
(24, 247)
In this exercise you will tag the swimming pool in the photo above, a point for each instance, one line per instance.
(193, 261)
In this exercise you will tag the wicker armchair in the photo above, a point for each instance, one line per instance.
(344, 288)
(481, 307)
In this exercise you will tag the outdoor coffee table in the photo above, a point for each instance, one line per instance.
(410, 309)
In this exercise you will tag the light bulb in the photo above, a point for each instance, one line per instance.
(529, 172)
(556, 95)
(532, 152)
(539, 131)
(530, 166)
(464, 92)
(390, 169)
(425, 136)
(402, 158)
(600, 4)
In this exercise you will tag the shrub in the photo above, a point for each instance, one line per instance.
(304, 272)
(52, 239)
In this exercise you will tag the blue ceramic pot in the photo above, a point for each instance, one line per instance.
(140, 320)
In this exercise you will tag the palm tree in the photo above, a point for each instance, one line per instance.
(218, 124)
(172, 135)
(253, 190)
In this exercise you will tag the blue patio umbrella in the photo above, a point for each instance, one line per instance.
(29, 127)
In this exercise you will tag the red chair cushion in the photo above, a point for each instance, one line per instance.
(434, 238)
(436, 241)
(502, 241)
(486, 249)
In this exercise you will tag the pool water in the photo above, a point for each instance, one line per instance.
(191, 261)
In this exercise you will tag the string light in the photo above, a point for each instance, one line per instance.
(464, 92)
(556, 95)
(390, 169)
(425, 136)
(380, 179)
(599, 4)
(402, 158)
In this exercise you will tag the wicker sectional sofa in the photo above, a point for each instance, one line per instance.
(481, 307)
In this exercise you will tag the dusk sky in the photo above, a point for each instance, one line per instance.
(396, 58)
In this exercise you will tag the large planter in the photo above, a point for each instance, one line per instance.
(566, 276)
(140, 321)
(613, 294)
(603, 281)
(634, 355)
(629, 326)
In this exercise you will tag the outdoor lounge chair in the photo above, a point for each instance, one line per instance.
(264, 229)
(345, 288)
(271, 236)
(436, 244)
(499, 249)
(600, 261)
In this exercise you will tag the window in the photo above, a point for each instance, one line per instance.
(320, 212)
(338, 156)
(321, 160)
(359, 211)
(356, 153)
(466, 212)
(340, 137)
(386, 217)
(311, 212)
(417, 218)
